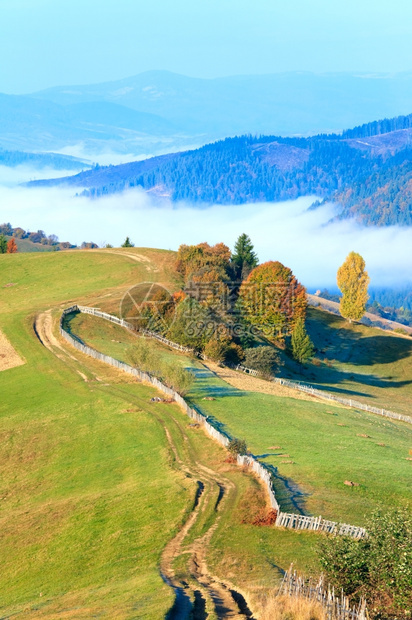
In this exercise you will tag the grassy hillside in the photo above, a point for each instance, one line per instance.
(359, 362)
(97, 480)
(91, 491)
(312, 447)
(25, 245)
(74, 512)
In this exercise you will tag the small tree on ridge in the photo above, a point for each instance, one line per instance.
(3, 244)
(353, 282)
(12, 246)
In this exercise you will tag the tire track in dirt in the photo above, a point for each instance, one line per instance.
(213, 491)
(43, 328)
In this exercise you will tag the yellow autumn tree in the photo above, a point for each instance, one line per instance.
(353, 282)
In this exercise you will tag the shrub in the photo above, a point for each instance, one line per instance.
(400, 330)
(263, 359)
(178, 378)
(216, 350)
(378, 567)
(237, 446)
(146, 357)
(234, 354)
(190, 325)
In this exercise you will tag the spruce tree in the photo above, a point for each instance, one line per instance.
(353, 282)
(244, 258)
(3, 244)
(127, 243)
(302, 346)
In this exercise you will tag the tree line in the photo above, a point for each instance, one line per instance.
(371, 187)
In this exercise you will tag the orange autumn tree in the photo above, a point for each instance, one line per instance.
(11, 246)
(272, 299)
(205, 269)
(192, 259)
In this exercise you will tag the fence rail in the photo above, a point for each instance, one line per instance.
(336, 607)
(290, 521)
(302, 387)
(303, 522)
(144, 332)
(247, 371)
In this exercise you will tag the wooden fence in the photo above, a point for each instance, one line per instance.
(247, 371)
(303, 522)
(143, 332)
(250, 371)
(290, 521)
(336, 607)
(302, 387)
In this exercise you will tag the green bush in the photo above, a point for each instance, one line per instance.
(177, 378)
(378, 567)
(263, 359)
(145, 356)
(189, 326)
(216, 350)
(402, 331)
(237, 446)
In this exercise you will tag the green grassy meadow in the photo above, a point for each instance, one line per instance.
(89, 494)
(359, 362)
(324, 444)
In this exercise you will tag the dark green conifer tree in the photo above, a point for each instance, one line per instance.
(244, 258)
(302, 346)
(3, 244)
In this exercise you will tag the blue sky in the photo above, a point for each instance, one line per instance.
(49, 42)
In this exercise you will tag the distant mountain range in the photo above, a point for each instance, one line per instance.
(367, 170)
(158, 112)
(55, 161)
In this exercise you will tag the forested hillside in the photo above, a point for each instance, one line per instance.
(366, 171)
(56, 161)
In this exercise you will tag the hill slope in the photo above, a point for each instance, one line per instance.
(96, 479)
(369, 177)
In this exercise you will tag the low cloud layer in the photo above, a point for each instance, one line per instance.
(286, 231)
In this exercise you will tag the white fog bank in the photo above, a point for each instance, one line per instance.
(285, 231)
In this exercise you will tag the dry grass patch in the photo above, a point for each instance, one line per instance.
(248, 383)
(8, 356)
(290, 608)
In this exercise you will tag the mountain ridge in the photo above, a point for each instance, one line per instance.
(371, 179)
(190, 112)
